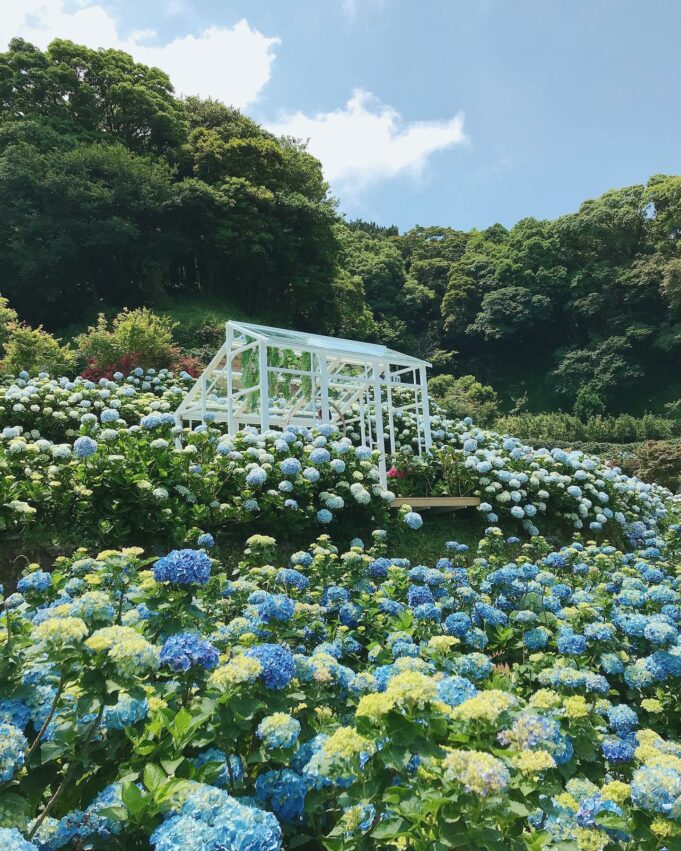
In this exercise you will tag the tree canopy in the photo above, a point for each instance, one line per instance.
(113, 191)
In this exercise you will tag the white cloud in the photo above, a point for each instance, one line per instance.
(232, 65)
(367, 141)
(229, 63)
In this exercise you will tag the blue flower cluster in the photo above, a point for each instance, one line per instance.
(186, 650)
(183, 567)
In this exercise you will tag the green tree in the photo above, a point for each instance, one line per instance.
(94, 94)
(465, 397)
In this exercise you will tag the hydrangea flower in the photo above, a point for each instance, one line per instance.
(13, 747)
(84, 447)
(278, 664)
(183, 567)
(186, 650)
(413, 520)
(279, 730)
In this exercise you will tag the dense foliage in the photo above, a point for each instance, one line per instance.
(588, 302)
(325, 698)
(113, 191)
(98, 463)
(517, 697)
(555, 427)
(105, 462)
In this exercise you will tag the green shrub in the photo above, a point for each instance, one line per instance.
(465, 397)
(567, 428)
(588, 403)
(8, 318)
(657, 461)
(35, 350)
(133, 332)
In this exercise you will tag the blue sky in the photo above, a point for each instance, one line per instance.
(451, 112)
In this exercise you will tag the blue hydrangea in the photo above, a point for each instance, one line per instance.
(391, 607)
(284, 791)
(278, 664)
(256, 477)
(84, 447)
(293, 578)
(458, 624)
(278, 731)
(15, 712)
(290, 466)
(276, 607)
(127, 712)
(378, 569)
(205, 540)
(490, 615)
(618, 751)
(622, 718)
(13, 747)
(413, 520)
(428, 612)
(231, 770)
(320, 455)
(454, 690)
(417, 595)
(12, 840)
(570, 643)
(39, 580)
(536, 639)
(185, 650)
(156, 420)
(183, 567)
(655, 789)
(211, 820)
(474, 665)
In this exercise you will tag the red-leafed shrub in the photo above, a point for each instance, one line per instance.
(194, 366)
(94, 370)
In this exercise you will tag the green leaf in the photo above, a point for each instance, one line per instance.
(133, 799)
(170, 766)
(518, 809)
(389, 828)
(15, 809)
(153, 776)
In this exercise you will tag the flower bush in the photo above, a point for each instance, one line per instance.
(526, 487)
(98, 462)
(516, 697)
(54, 408)
(115, 472)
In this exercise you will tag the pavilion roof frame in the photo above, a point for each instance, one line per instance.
(326, 379)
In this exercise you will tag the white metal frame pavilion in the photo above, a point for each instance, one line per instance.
(303, 379)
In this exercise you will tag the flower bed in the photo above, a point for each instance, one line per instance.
(514, 697)
(530, 488)
(97, 463)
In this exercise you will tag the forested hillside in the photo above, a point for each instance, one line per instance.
(114, 192)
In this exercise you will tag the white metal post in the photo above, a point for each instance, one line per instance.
(416, 409)
(425, 408)
(324, 386)
(231, 429)
(391, 419)
(264, 388)
(378, 419)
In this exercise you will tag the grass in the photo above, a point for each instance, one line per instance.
(189, 311)
(427, 545)
(194, 310)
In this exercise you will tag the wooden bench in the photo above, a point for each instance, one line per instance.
(437, 504)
